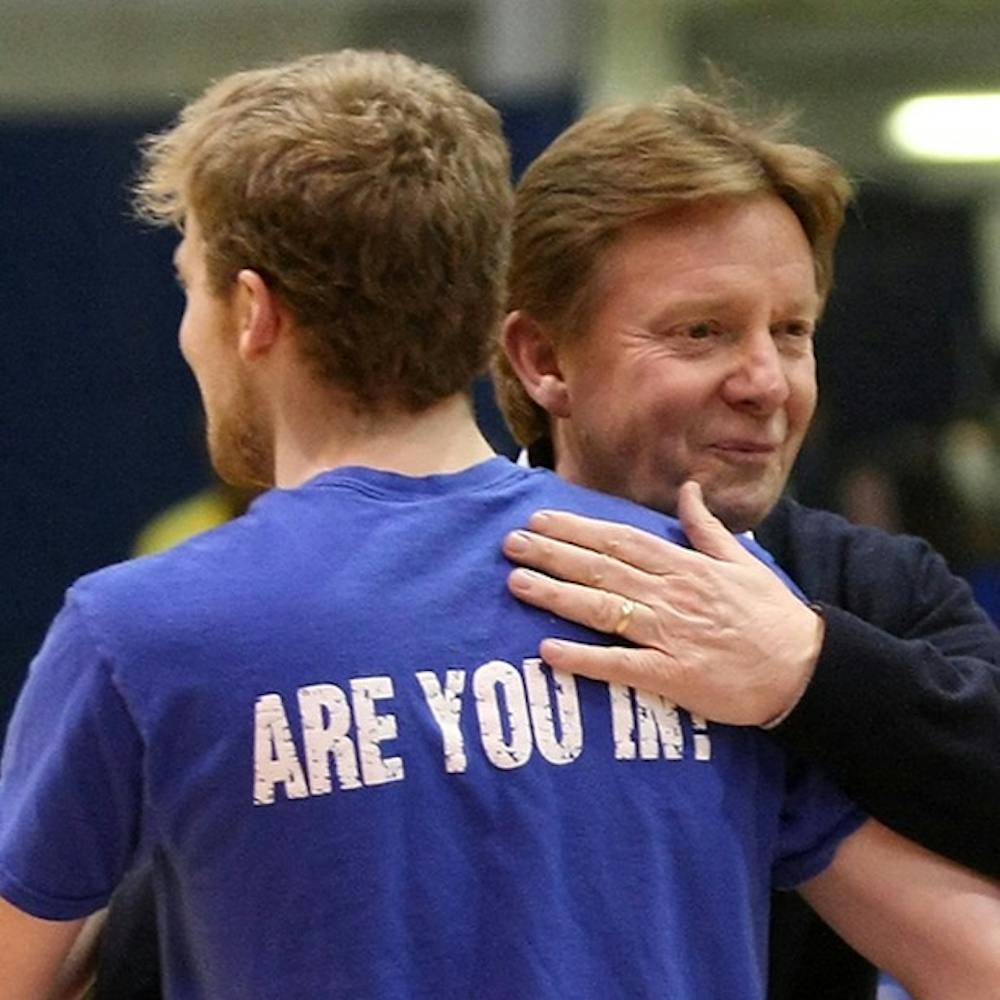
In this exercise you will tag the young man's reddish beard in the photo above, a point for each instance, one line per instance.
(239, 446)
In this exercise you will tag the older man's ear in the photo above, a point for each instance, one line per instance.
(532, 355)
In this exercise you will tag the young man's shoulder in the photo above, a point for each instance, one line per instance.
(203, 552)
(183, 587)
(553, 490)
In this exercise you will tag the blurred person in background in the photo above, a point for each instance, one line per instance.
(670, 264)
(942, 484)
(969, 448)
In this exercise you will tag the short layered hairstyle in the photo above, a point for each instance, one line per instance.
(371, 192)
(630, 162)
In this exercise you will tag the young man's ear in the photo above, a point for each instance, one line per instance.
(532, 355)
(260, 315)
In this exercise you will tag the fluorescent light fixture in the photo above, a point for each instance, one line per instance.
(947, 128)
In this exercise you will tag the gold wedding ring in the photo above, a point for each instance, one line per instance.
(624, 615)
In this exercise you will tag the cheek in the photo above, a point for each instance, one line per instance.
(802, 402)
(674, 405)
(184, 335)
(586, 396)
(654, 429)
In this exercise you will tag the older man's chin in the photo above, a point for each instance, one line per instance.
(742, 508)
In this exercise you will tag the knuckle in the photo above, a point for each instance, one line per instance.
(623, 543)
(646, 670)
(635, 547)
(543, 547)
(598, 569)
(633, 540)
(633, 662)
(606, 612)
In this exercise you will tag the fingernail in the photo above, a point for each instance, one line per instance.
(517, 542)
(551, 649)
(520, 580)
(541, 518)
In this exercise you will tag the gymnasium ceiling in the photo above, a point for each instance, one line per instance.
(843, 63)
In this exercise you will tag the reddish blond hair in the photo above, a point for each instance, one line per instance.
(372, 192)
(629, 162)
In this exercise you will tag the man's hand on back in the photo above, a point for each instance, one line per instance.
(714, 629)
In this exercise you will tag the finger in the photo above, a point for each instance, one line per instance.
(598, 609)
(578, 565)
(646, 669)
(704, 530)
(633, 546)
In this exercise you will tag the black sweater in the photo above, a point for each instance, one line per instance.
(903, 712)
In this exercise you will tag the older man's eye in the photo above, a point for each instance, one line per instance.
(699, 331)
(795, 329)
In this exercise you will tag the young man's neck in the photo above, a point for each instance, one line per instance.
(441, 439)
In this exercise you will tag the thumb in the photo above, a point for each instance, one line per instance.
(703, 529)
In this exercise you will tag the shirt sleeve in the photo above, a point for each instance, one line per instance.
(815, 819)
(70, 779)
(904, 707)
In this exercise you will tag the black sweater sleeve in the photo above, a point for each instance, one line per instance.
(904, 708)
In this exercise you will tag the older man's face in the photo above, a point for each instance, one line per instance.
(697, 362)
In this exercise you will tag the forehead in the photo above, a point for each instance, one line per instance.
(714, 246)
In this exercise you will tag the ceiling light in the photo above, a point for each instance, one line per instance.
(950, 128)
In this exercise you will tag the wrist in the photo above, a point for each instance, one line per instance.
(810, 659)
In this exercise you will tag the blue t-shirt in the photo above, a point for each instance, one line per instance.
(325, 728)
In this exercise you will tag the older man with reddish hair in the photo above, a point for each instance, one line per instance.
(671, 261)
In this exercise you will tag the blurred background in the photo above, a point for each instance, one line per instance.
(99, 422)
